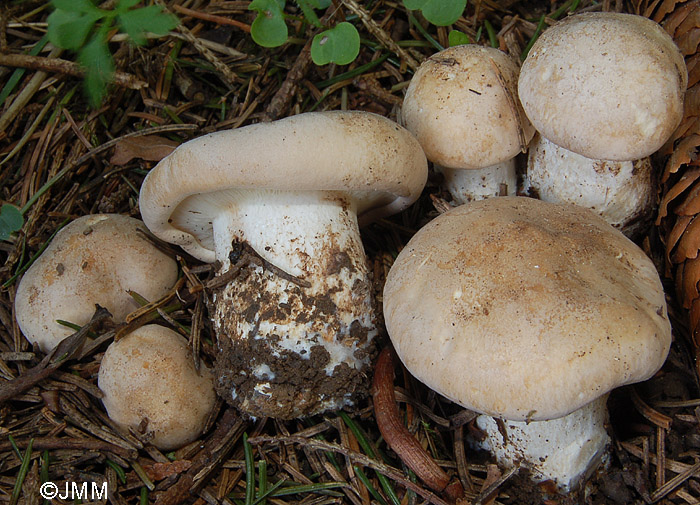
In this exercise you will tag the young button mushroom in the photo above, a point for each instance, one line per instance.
(621, 192)
(530, 312)
(151, 387)
(96, 259)
(277, 206)
(604, 85)
(463, 107)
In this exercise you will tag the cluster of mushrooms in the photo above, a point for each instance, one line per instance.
(527, 311)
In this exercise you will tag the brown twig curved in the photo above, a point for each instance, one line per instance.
(401, 441)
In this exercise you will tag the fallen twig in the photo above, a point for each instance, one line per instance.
(65, 67)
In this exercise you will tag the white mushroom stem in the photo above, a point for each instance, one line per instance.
(565, 450)
(468, 185)
(622, 192)
(297, 327)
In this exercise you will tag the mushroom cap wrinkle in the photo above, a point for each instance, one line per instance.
(149, 382)
(525, 310)
(361, 154)
(462, 106)
(604, 85)
(95, 259)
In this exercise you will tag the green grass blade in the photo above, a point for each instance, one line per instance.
(372, 490)
(22, 474)
(249, 471)
(366, 446)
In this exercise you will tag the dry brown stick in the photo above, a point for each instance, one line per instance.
(25, 95)
(672, 484)
(383, 37)
(84, 444)
(213, 451)
(228, 75)
(280, 101)
(356, 457)
(60, 355)
(397, 436)
(211, 17)
(64, 67)
(657, 418)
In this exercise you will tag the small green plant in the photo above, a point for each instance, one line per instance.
(438, 12)
(340, 44)
(80, 26)
(11, 221)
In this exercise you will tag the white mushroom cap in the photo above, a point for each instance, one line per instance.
(525, 310)
(464, 114)
(367, 157)
(605, 85)
(621, 192)
(96, 259)
(149, 382)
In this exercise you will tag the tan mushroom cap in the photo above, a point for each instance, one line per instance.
(605, 85)
(149, 375)
(462, 105)
(524, 309)
(95, 259)
(364, 155)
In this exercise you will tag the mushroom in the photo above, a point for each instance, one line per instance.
(605, 85)
(462, 105)
(602, 88)
(151, 387)
(277, 206)
(528, 312)
(621, 192)
(96, 259)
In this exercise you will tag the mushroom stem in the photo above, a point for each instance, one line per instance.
(565, 450)
(467, 185)
(296, 325)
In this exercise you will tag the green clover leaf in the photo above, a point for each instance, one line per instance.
(152, 19)
(69, 29)
(340, 44)
(268, 28)
(83, 6)
(457, 38)
(11, 220)
(438, 12)
(124, 5)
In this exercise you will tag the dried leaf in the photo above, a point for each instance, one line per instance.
(147, 147)
(693, 64)
(683, 183)
(689, 278)
(674, 236)
(692, 19)
(688, 42)
(666, 7)
(684, 153)
(692, 101)
(691, 203)
(689, 126)
(160, 471)
(679, 17)
(689, 244)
